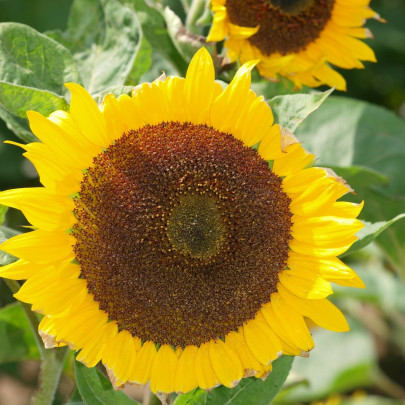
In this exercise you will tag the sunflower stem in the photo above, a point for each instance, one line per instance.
(49, 376)
(52, 360)
(194, 13)
(32, 316)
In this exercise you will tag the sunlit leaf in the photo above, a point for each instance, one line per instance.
(96, 389)
(248, 391)
(290, 110)
(104, 37)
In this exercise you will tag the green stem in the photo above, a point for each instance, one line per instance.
(52, 360)
(49, 376)
(196, 9)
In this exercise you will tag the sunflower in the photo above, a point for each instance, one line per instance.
(296, 38)
(170, 249)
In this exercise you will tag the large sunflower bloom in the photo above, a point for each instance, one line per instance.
(296, 38)
(168, 248)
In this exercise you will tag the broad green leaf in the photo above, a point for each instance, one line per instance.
(5, 258)
(31, 59)
(360, 177)
(104, 37)
(18, 100)
(248, 391)
(16, 340)
(290, 110)
(96, 389)
(185, 41)
(370, 232)
(142, 63)
(165, 56)
(347, 132)
(339, 362)
(33, 69)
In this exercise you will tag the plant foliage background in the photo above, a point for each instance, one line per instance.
(112, 45)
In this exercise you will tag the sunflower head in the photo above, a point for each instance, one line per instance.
(295, 38)
(170, 249)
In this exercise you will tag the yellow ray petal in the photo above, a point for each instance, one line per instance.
(237, 343)
(43, 208)
(20, 270)
(41, 246)
(119, 355)
(204, 372)
(262, 341)
(289, 346)
(163, 370)
(185, 379)
(87, 116)
(305, 284)
(225, 363)
(226, 108)
(92, 353)
(293, 323)
(322, 311)
(145, 358)
(199, 88)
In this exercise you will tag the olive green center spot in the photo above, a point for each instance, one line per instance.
(195, 226)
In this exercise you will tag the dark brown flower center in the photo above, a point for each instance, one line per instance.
(181, 232)
(286, 26)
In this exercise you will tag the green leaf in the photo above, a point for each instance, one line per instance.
(5, 258)
(19, 99)
(96, 389)
(33, 69)
(31, 59)
(165, 56)
(370, 232)
(290, 110)
(248, 391)
(143, 62)
(104, 37)
(116, 90)
(16, 340)
(186, 42)
(347, 132)
(361, 177)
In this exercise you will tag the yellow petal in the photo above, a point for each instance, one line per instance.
(204, 372)
(199, 88)
(293, 323)
(305, 284)
(225, 363)
(43, 208)
(227, 106)
(87, 116)
(145, 358)
(237, 343)
(41, 246)
(20, 270)
(322, 311)
(262, 341)
(163, 370)
(185, 379)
